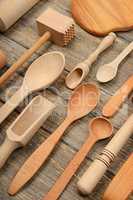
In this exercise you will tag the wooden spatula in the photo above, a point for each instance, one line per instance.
(122, 185)
(101, 17)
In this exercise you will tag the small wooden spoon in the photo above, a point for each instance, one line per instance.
(3, 59)
(100, 128)
(108, 72)
(83, 100)
(42, 72)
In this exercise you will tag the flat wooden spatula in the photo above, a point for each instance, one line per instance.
(101, 17)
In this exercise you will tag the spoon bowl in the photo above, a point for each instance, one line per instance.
(101, 128)
(106, 73)
(83, 100)
(44, 71)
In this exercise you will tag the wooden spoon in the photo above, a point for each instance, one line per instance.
(100, 128)
(25, 126)
(3, 59)
(108, 72)
(42, 72)
(83, 100)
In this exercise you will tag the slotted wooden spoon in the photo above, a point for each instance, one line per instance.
(42, 72)
(83, 100)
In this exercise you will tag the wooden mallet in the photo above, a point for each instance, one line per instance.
(51, 26)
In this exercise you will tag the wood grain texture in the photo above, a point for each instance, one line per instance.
(101, 17)
(14, 42)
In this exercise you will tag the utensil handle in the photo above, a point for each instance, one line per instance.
(95, 172)
(39, 156)
(112, 106)
(123, 55)
(122, 184)
(6, 149)
(12, 103)
(25, 57)
(68, 173)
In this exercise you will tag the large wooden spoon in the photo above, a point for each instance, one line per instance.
(100, 128)
(42, 72)
(83, 100)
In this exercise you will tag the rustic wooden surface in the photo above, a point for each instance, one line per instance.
(15, 41)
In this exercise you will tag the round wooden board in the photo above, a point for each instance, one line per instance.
(103, 16)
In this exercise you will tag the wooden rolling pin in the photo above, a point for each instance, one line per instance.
(95, 172)
(3, 59)
(11, 11)
(122, 185)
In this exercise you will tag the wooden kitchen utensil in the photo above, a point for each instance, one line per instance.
(11, 12)
(109, 71)
(42, 72)
(78, 74)
(83, 100)
(100, 128)
(52, 26)
(25, 126)
(95, 172)
(114, 103)
(101, 17)
(3, 59)
(122, 185)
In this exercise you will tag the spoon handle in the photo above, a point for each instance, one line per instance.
(95, 172)
(70, 170)
(6, 149)
(39, 156)
(112, 106)
(123, 54)
(12, 103)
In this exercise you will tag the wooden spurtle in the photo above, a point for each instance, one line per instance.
(114, 103)
(78, 74)
(101, 17)
(25, 126)
(122, 185)
(109, 71)
(100, 128)
(97, 169)
(52, 26)
(42, 72)
(83, 100)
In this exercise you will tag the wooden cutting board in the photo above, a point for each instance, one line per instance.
(103, 16)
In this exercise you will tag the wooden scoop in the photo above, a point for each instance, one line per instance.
(122, 184)
(78, 74)
(114, 103)
(109, 71)
(25, 126)
(42, 72)
(100, 128)
(97, 169)
(83, 100)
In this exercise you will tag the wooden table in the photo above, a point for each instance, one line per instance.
(15, 41)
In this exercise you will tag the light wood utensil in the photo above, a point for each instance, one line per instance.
(109, 71)
(114, 103)
(42, 72)
(122, 185)
(25, 126)
(101, 17)
(52, 26)
(97, 169)
(78, 74)
(83, 100)
(100, 128)
(3, 59)
(10, 13)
